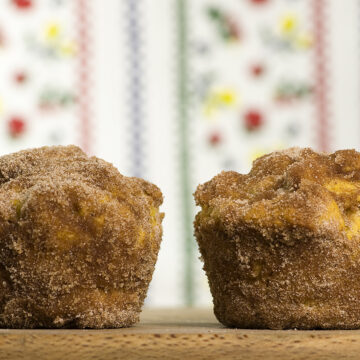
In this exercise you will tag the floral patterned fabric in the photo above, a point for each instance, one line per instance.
(179, 91)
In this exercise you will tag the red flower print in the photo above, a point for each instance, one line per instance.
(2, 38)
(215, 139)
(20, 77)
(227, 27)
(23, 4)
(233, 29)
(257, 70)
(259, 2)
(253, 120)
(16, 126)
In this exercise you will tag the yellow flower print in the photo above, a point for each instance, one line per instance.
(68, 48)
(290, 33)
(219, 99)
(304, 40)
(54, 39)
(52, 31)
(288, 24)
(258, 152)
(226, 97)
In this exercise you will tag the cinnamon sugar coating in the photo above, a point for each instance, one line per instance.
(281, 245)
(78, 241)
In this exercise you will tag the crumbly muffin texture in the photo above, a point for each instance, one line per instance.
(281, 244)
(78, 241)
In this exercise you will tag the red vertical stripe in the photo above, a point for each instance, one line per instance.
(84, 98)
(321, 76)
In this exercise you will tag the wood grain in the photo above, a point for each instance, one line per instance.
(178, 334)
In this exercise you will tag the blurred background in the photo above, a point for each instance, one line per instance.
(175, 91)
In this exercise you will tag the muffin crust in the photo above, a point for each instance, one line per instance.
(281, 245)
(78, 240)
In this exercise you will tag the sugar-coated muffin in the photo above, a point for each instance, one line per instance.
(78, 241)
(281, 244)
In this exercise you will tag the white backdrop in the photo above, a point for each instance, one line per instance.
(179, 91)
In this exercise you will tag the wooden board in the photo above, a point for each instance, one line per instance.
(178, 334)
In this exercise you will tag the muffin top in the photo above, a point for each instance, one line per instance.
(288, 194)
(49, 170)
(45, 166)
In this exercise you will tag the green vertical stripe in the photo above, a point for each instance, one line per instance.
(183, 120)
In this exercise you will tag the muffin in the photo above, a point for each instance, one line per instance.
(281, 244)
(78, 240)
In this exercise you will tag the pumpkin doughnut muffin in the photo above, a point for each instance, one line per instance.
(78, 241)
(281, 245)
